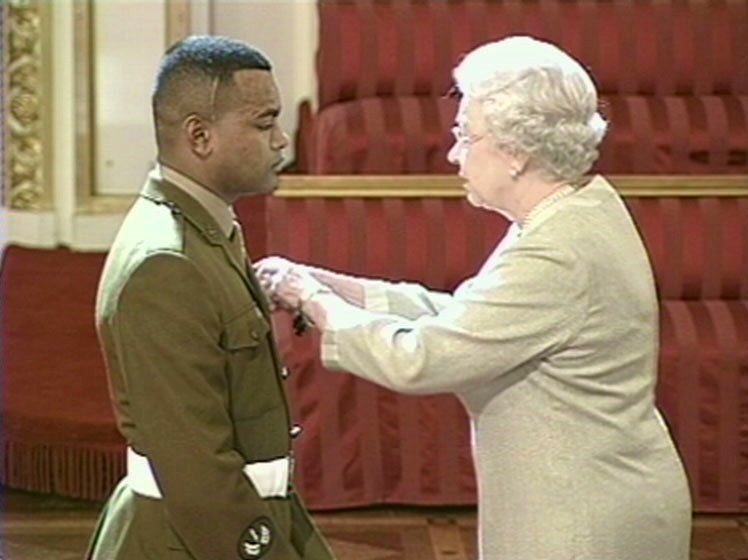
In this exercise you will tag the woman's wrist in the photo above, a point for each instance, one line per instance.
(305, 298)
(347, 287)
(311, 308)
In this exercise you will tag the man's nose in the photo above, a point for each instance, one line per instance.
(280, 139)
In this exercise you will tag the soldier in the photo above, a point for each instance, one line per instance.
(195, 378)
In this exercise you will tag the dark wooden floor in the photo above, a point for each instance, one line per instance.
(39, 527)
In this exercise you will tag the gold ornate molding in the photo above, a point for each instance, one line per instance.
(27, 79)
(419, 186)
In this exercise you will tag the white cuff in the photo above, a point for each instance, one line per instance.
(329, 352)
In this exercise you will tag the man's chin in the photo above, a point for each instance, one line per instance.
(272, 183)
(268, 186)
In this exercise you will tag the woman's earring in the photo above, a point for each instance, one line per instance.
(513, 173)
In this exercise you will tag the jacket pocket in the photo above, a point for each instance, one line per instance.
(248, 331)
(254, 387)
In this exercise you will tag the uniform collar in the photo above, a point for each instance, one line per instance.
(162, 191)
(221, 212)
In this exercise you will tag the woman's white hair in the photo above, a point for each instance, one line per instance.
(537, 100)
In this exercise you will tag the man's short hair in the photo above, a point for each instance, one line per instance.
(196, 75)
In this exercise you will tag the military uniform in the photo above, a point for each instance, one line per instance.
(197, 389)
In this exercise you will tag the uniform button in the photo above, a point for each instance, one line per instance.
(255, 335)
(285, 372)
(296, 431)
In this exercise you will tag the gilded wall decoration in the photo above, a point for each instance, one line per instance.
(26, 77)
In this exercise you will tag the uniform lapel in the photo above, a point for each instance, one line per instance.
(239, 257)
(257, 289)
(161, 191)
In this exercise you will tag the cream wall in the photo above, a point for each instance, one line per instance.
(63, 180)
(127, 56)
(284, 29)
(128, 42)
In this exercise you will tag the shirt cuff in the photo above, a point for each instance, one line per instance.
(329, 350)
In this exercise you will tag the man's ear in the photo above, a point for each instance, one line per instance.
(199, 135)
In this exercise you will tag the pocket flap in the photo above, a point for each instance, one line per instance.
(246, 331)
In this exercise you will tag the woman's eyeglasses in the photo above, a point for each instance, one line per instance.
(464, 138)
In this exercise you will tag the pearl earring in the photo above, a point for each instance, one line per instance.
(514, 174)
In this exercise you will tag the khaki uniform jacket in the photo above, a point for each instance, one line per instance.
(196, 386)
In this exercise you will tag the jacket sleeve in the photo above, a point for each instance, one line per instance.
(404, 299)
(532, 302)
(167, 330)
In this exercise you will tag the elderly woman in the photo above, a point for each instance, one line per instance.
(552, 346)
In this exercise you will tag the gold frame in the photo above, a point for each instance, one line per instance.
(294, 186)
(27, 82)
(178, 26)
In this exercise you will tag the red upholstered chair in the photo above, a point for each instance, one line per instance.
(672, 77)
(699, 250)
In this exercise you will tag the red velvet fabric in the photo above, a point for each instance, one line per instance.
(699, 251)
(672, 77)
(699, 135)
(384, 135)
(363, 445)
(383, 48)
(647, 135)
(698, 246)
(703, 389)
(58, 432)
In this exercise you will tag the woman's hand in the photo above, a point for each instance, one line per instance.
(270, 272)
(296, 287)
(292, 286)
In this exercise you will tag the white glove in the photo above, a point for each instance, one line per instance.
(270, 272)
(296, 287)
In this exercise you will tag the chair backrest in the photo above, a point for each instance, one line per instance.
(374, 48)
(698, 245)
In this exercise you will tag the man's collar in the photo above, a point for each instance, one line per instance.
(221, 212)
(164, 192)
